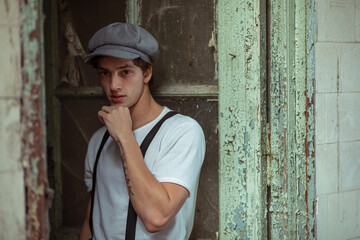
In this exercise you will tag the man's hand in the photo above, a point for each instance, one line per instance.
(117, 120)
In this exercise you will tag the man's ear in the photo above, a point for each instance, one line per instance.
(148, 74)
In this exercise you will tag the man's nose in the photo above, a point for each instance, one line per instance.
(116, 82)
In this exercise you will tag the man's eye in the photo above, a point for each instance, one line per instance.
(126, 72)
(103, 73)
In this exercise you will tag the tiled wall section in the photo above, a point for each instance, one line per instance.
(12, 199)
(337, 54)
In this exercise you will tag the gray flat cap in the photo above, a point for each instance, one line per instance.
(123, 40)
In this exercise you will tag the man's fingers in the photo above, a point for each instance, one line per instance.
(106, 109)
(101, 120)
(101, 116)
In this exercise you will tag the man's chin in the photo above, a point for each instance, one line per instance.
(119, 104)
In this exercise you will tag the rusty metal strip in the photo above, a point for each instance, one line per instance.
(310, 119)
(32, 119)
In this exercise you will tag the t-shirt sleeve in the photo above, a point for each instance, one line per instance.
(88, 170)
(93, 146)
(181, 156)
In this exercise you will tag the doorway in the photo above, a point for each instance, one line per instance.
(184, 80)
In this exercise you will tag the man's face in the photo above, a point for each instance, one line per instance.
(122, 81)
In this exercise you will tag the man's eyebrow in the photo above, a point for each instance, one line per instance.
(120, 67)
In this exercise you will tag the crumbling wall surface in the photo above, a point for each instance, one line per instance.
(33, 150)
(337, 61)
(183, 31)
(267, 171)
(12, 197)
(291, 169)
(242, 119)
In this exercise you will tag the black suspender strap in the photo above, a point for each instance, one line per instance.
(132, 216)
(149, 137)
(103, 141)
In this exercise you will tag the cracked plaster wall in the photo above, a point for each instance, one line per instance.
(12, 197)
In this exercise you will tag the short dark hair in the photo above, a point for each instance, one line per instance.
(144, 66)
(141, 64)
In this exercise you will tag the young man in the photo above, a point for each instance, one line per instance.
(162, 186)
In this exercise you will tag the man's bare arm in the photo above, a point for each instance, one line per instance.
(85, 232)
(156, 203)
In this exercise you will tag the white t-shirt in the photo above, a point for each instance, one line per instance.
(175, 155)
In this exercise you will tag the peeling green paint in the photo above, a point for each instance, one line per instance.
(33, 119)
(132, 11)
(253, 154)
(310, 116)
(241, 117)
(290, 214)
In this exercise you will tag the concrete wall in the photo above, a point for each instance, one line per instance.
(337, 119)
(12, 199)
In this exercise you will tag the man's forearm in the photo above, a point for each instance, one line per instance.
(151, 199)
(85, 232)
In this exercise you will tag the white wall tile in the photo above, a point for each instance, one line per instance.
(10, 137)
(10, 78)
(350, 214)
(350, 166)
(326, 125)
(342, 216)
(337, 58)
(336, 20)
(357, 20)
(332, 131)
(12, 207)
(326, 169)
(350, 67)
(326, 67)
(9, 12)
(320, 118)
(322, 218)
(358, 211)
(349, 121)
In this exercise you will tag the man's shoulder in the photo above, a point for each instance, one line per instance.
(181, 125)
(97, 136)
(180, 120)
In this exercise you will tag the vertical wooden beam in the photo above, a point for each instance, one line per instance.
(310, 198)
(53, 112)
(242, 118)
(33, 119)
(291, 167)
(132, 11)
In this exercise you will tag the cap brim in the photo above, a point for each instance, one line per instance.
(117, 52)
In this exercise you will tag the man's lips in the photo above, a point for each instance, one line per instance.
(117, 98)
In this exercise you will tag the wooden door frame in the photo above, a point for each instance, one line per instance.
(33, 147)
(54, 107)
(256, 158)
(266, 119)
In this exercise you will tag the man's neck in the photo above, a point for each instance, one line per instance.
(145, 111)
